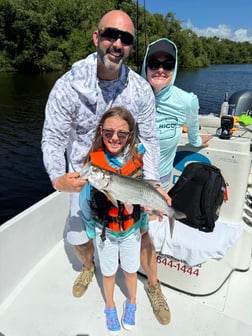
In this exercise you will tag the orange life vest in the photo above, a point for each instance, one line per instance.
(131, 168)
(103, 210)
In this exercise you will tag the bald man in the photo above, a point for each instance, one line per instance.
(74, 106)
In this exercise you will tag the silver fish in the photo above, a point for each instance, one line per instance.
(129, 191)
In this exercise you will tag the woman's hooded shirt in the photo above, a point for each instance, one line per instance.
(174, 108)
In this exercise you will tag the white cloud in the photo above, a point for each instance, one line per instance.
(222, 31)
(242, 35)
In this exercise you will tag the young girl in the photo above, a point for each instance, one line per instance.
(117, 231)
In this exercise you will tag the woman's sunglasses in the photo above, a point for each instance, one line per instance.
(109, 132)
(114, 34)
(155, 64)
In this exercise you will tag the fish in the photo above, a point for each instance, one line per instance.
(129, 191)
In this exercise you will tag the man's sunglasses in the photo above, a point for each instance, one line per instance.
(109, 132)
(155, 64)
(114, 34)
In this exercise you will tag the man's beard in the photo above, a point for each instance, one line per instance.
(109, 65)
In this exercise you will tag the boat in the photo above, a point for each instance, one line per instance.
(208, 296)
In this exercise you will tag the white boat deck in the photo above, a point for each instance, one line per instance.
(43, 305)
(37, 271)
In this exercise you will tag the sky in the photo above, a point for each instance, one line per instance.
(230, 19)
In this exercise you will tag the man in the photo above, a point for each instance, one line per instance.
(74, 107)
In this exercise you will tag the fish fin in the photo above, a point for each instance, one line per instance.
(157, 213)
(129, 207)
(179, 214)
(172, 224)
(111, 198)
(85, 171)
(152, 211)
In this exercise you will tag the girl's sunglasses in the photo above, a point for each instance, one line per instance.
(155, 64)
(113, 34)
(109, 132)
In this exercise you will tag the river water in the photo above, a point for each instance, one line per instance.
(23, 180)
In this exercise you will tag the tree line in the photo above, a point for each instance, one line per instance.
(50, 35)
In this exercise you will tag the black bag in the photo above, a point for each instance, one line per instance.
(199, 194)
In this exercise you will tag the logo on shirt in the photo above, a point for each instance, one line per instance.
(167, 126)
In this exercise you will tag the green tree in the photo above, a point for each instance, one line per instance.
(47, 35)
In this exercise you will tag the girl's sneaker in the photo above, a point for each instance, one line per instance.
(128, 318)
(113, 325)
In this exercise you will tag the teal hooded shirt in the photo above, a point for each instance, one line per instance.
(174, 108)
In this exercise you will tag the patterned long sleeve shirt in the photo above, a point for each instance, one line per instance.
(75, 105)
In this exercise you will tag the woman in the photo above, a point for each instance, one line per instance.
(174, 106)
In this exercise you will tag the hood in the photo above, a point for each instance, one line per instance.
(165, 45)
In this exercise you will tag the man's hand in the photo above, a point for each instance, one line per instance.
(70, 182)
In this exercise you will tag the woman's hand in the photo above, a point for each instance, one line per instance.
(164, 194)
(205, 139)
(153, 214)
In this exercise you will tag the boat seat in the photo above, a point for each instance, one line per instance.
(191, 245)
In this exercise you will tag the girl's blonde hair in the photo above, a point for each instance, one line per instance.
(123, 113)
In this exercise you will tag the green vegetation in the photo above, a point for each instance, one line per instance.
(49, 35)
